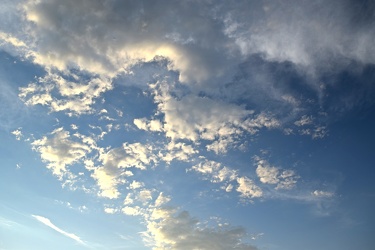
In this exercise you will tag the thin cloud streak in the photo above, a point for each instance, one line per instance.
(48, 223)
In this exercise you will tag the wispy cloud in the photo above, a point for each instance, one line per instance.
(48, 223)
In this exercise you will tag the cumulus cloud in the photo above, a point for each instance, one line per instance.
(60, 150)
(117, 164)
(153, 125)
(75, 96)
(248, 189)
(173, 230)
(283, 179)
(195, 118)
(169, 228)
(215, 171)
(18, 134)
(48, 223)
(115, 35)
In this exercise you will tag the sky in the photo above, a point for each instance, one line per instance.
(187, 125)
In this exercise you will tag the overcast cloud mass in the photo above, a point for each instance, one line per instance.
(185, 125)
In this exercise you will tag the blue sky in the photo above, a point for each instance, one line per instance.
(187, 125)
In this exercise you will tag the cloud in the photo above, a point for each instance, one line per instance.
(322, 194)
(48, 223)
(202, 118)
(60, 151)
(290, 31)
(248, 189)
(116, 35)
(173, 230)
(170, 228)
(283, 179)
(215, 171)
(7, 38)
(71, 93)
(18, 134)
(153, 125)
(117, 164)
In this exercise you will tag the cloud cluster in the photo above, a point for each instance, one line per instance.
(72, 93)
(116, 165)
(173, 230)
(114, 35)
(209, 97)
(187, 116)
(170, 228)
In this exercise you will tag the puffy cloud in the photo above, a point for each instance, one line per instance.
(18, 134)
(248, 189)
(115, 35)
(110, 210)
(74, 96)
(193, 117)
(178, 151)
(196, 118)
(215, 172)
(283, 179)
(153, 125)
(107, 183)
(136, 185)
(171, 230)
(161, 200)
(60, 151)
(116, 165)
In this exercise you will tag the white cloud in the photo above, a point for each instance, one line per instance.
(116, 165)
(8, 38)
(48, 223)
(110, 210)
(75, 96)
(283, 179)
(153, 125)
(178, 151)
(107, 183)
(162, 199)
(60, 151)
(133, 211)
(136, 185)
(18, 134)
(215, 171)
(195, 118)
(248, 189)
(322, 194)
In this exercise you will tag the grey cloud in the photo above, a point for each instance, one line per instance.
(108, 36)
(308, 33)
